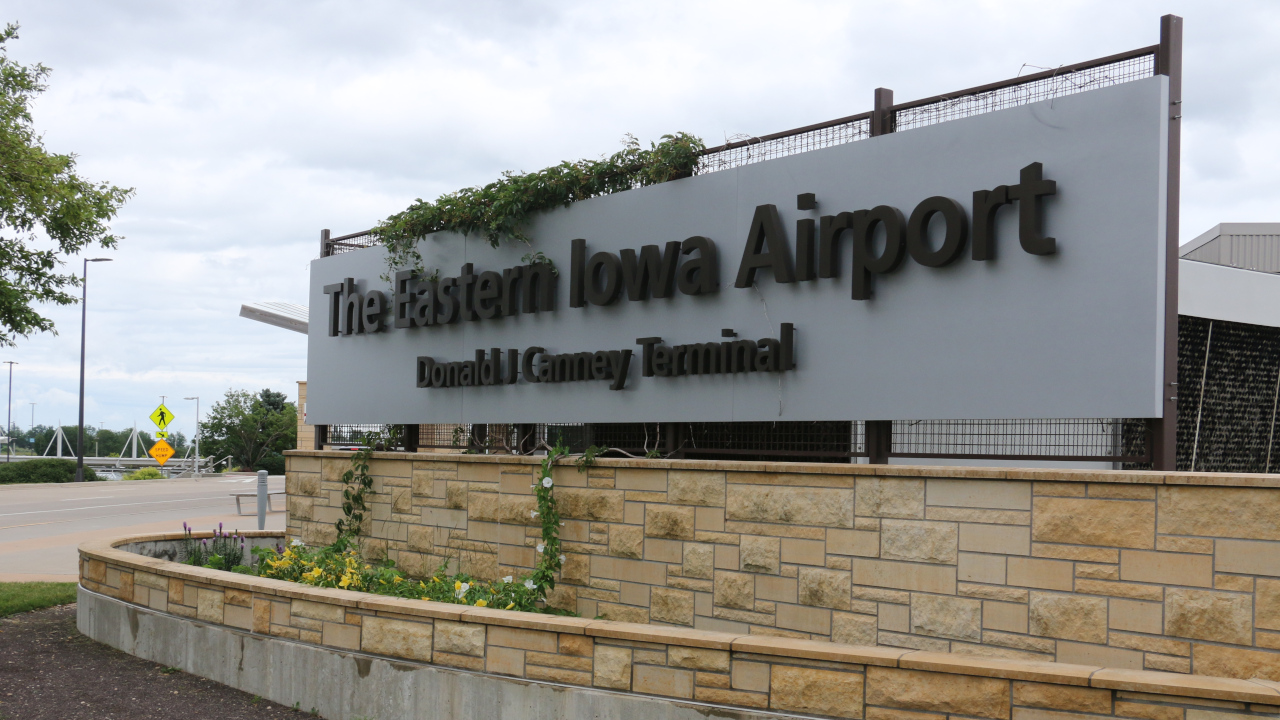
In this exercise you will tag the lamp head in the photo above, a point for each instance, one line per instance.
(192, 398)
(98, 259)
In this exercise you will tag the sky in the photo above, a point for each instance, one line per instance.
(247, 127)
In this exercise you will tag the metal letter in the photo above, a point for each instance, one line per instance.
(864, 262)
(766, 232)
(700, 275)
(918, 231)
(646, 356)
(352, 307)
(619, 362)
(605, 263)
(577, 258)
(488, 291)
(527, 364)
(985, 205)
(1027, 192)
(831, 227)
(375, 304)
(652, 274)
(334, 292)
(404, 296)
(425, 366)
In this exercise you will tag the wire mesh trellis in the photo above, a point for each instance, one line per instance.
(1000, 98)
(1075, 438)
(1123, 441)
(757, 150)
(348, 243)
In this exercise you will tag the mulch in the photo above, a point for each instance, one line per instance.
(49, 671)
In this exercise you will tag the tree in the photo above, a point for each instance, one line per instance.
(253, 429)
(47, 211)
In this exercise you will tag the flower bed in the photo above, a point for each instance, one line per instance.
(340, 565)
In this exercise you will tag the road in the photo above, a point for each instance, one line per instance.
(42, 525)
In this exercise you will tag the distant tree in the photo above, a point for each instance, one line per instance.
(254, 430)
(47, 211)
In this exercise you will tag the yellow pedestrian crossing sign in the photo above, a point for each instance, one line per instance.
(161, 451)
(162, 417)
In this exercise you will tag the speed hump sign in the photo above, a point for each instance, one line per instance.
(161, 451)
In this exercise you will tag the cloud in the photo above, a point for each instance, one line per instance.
(247, 127)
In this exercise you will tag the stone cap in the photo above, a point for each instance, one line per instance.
(1197, 686)
(1140, 477)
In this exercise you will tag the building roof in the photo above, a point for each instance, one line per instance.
(284, 315)
(1248, 246)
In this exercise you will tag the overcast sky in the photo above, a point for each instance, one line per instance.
(248, 127)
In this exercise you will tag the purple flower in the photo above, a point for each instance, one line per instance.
(205, 542)
(185, 528)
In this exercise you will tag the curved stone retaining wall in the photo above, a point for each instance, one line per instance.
(1177, 572)
(277, 638)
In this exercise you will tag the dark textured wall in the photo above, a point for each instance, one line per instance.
(1236, 408)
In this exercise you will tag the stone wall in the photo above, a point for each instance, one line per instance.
(1158, 571)
(730, 672)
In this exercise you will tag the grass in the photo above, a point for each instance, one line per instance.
(25, 596)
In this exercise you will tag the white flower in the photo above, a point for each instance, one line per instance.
(465, 587)
(296, 542)
(533, 513)
(506, 579)
(529, 584)
(562, 559)
(540, 547)
(546, 482)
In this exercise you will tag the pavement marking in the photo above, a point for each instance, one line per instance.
(144, 512)
(95, 497)
(98, 507)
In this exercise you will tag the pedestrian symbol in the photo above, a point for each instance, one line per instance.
(161, 451)
(162, 417)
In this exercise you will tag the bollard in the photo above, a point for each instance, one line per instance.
(262, 499)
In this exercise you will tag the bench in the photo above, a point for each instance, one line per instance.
(254, 494)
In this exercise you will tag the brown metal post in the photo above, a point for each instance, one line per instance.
(410, 435)
(321, 437)
(879, 441)
(324, 243)
(1164, 430)
(525, 437)
(882, 116)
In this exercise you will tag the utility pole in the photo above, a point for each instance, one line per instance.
(8, 424)
(197, 399)
(84, 315)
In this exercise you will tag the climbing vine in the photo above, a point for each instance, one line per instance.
(358, 482)
(550, 560)
(502, 208)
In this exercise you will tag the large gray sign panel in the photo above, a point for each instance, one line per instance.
(1072, 332)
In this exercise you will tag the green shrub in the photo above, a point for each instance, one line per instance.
(45, 470)
(146, 473)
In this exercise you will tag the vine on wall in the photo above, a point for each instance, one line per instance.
(502, 209)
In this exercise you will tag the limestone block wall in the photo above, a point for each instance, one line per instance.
(1157, 571)
(728, 673)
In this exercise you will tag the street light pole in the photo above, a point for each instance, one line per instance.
(84, 315)
(197, 399)
(8, 423)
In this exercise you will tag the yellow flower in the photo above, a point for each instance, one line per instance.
(457, 584)
(482, 603)
(509, 606)
(398, 579)
(346, 581)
